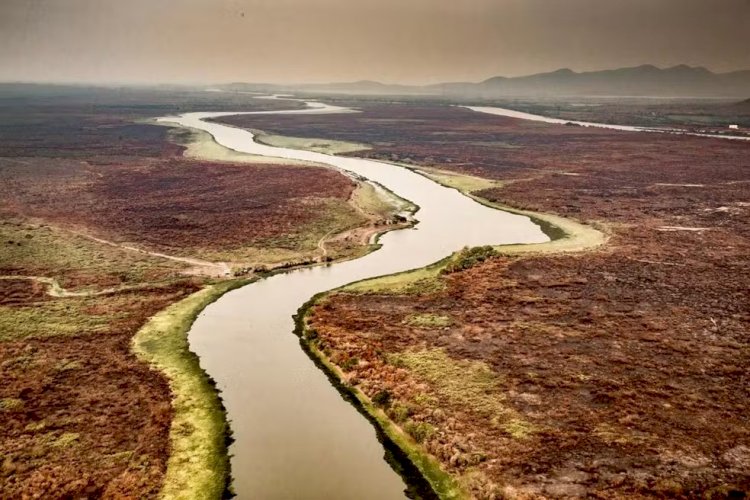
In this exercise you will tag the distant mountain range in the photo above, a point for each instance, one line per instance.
(646, 80)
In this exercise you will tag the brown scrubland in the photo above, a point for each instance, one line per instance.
(618, 372)
(83, 182)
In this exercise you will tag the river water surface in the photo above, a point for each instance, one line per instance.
(295, 436)
(511, 113)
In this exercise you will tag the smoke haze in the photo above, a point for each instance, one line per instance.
(397, 41)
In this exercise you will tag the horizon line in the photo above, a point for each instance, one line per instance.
(188, 83)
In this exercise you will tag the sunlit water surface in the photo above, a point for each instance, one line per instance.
(295, 436)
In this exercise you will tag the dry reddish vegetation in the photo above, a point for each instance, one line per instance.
(485, 145)
(618, 373)
(172, 205)
(19, 292)
(85, 163)
(81, 416)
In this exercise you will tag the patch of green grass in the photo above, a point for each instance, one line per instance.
(67, 316)
(379, 201)
(518, 429)
(469, 257)
(36, 426)
(55, 253)
(469, 384)
(66, 440)
(462, 182)
(52, 318)
(326, 146)
(399, 412)
(373, 201)
(424, 280)
(65, 365)
(425, 400)
(417, 281)
(198, 466)
(10, 404)
(120, 456)
(420, 431)
(429, 320)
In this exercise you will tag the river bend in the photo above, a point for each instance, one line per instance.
(295, 436)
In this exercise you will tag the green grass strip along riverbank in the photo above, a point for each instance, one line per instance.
(439, 481)
(565, 236)
(198, 466)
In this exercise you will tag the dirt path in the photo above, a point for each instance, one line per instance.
(56, 290)
(200, 267)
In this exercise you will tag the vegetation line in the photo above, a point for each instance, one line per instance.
(221, 268)
(398, 442)
(565, 235)
(198, 465)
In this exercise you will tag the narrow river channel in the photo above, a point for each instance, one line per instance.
(295, 436)
(511, 113)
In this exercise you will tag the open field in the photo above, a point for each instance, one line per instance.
(100, 173)
(425, 134)
(620, 372)
(207, 210)
(80, 414)
(102, 223)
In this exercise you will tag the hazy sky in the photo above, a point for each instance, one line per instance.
(410, 41)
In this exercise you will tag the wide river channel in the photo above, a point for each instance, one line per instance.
(295, 436)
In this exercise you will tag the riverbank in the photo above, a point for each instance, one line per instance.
(438, 482)
(101, 235)
(247, 390)
(565, 236)
(198, 465)
(614, 371)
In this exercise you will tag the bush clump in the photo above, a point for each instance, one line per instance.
(420, 431)
(469, 257)
(382, 398)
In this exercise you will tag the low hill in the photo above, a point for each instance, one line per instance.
(645, 80)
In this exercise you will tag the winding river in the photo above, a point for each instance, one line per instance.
(295, 436)
(511, 113)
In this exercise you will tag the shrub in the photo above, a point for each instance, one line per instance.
(382, 398)
(469, 257)
(420, 431)
(349, 364)
(400, 412)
